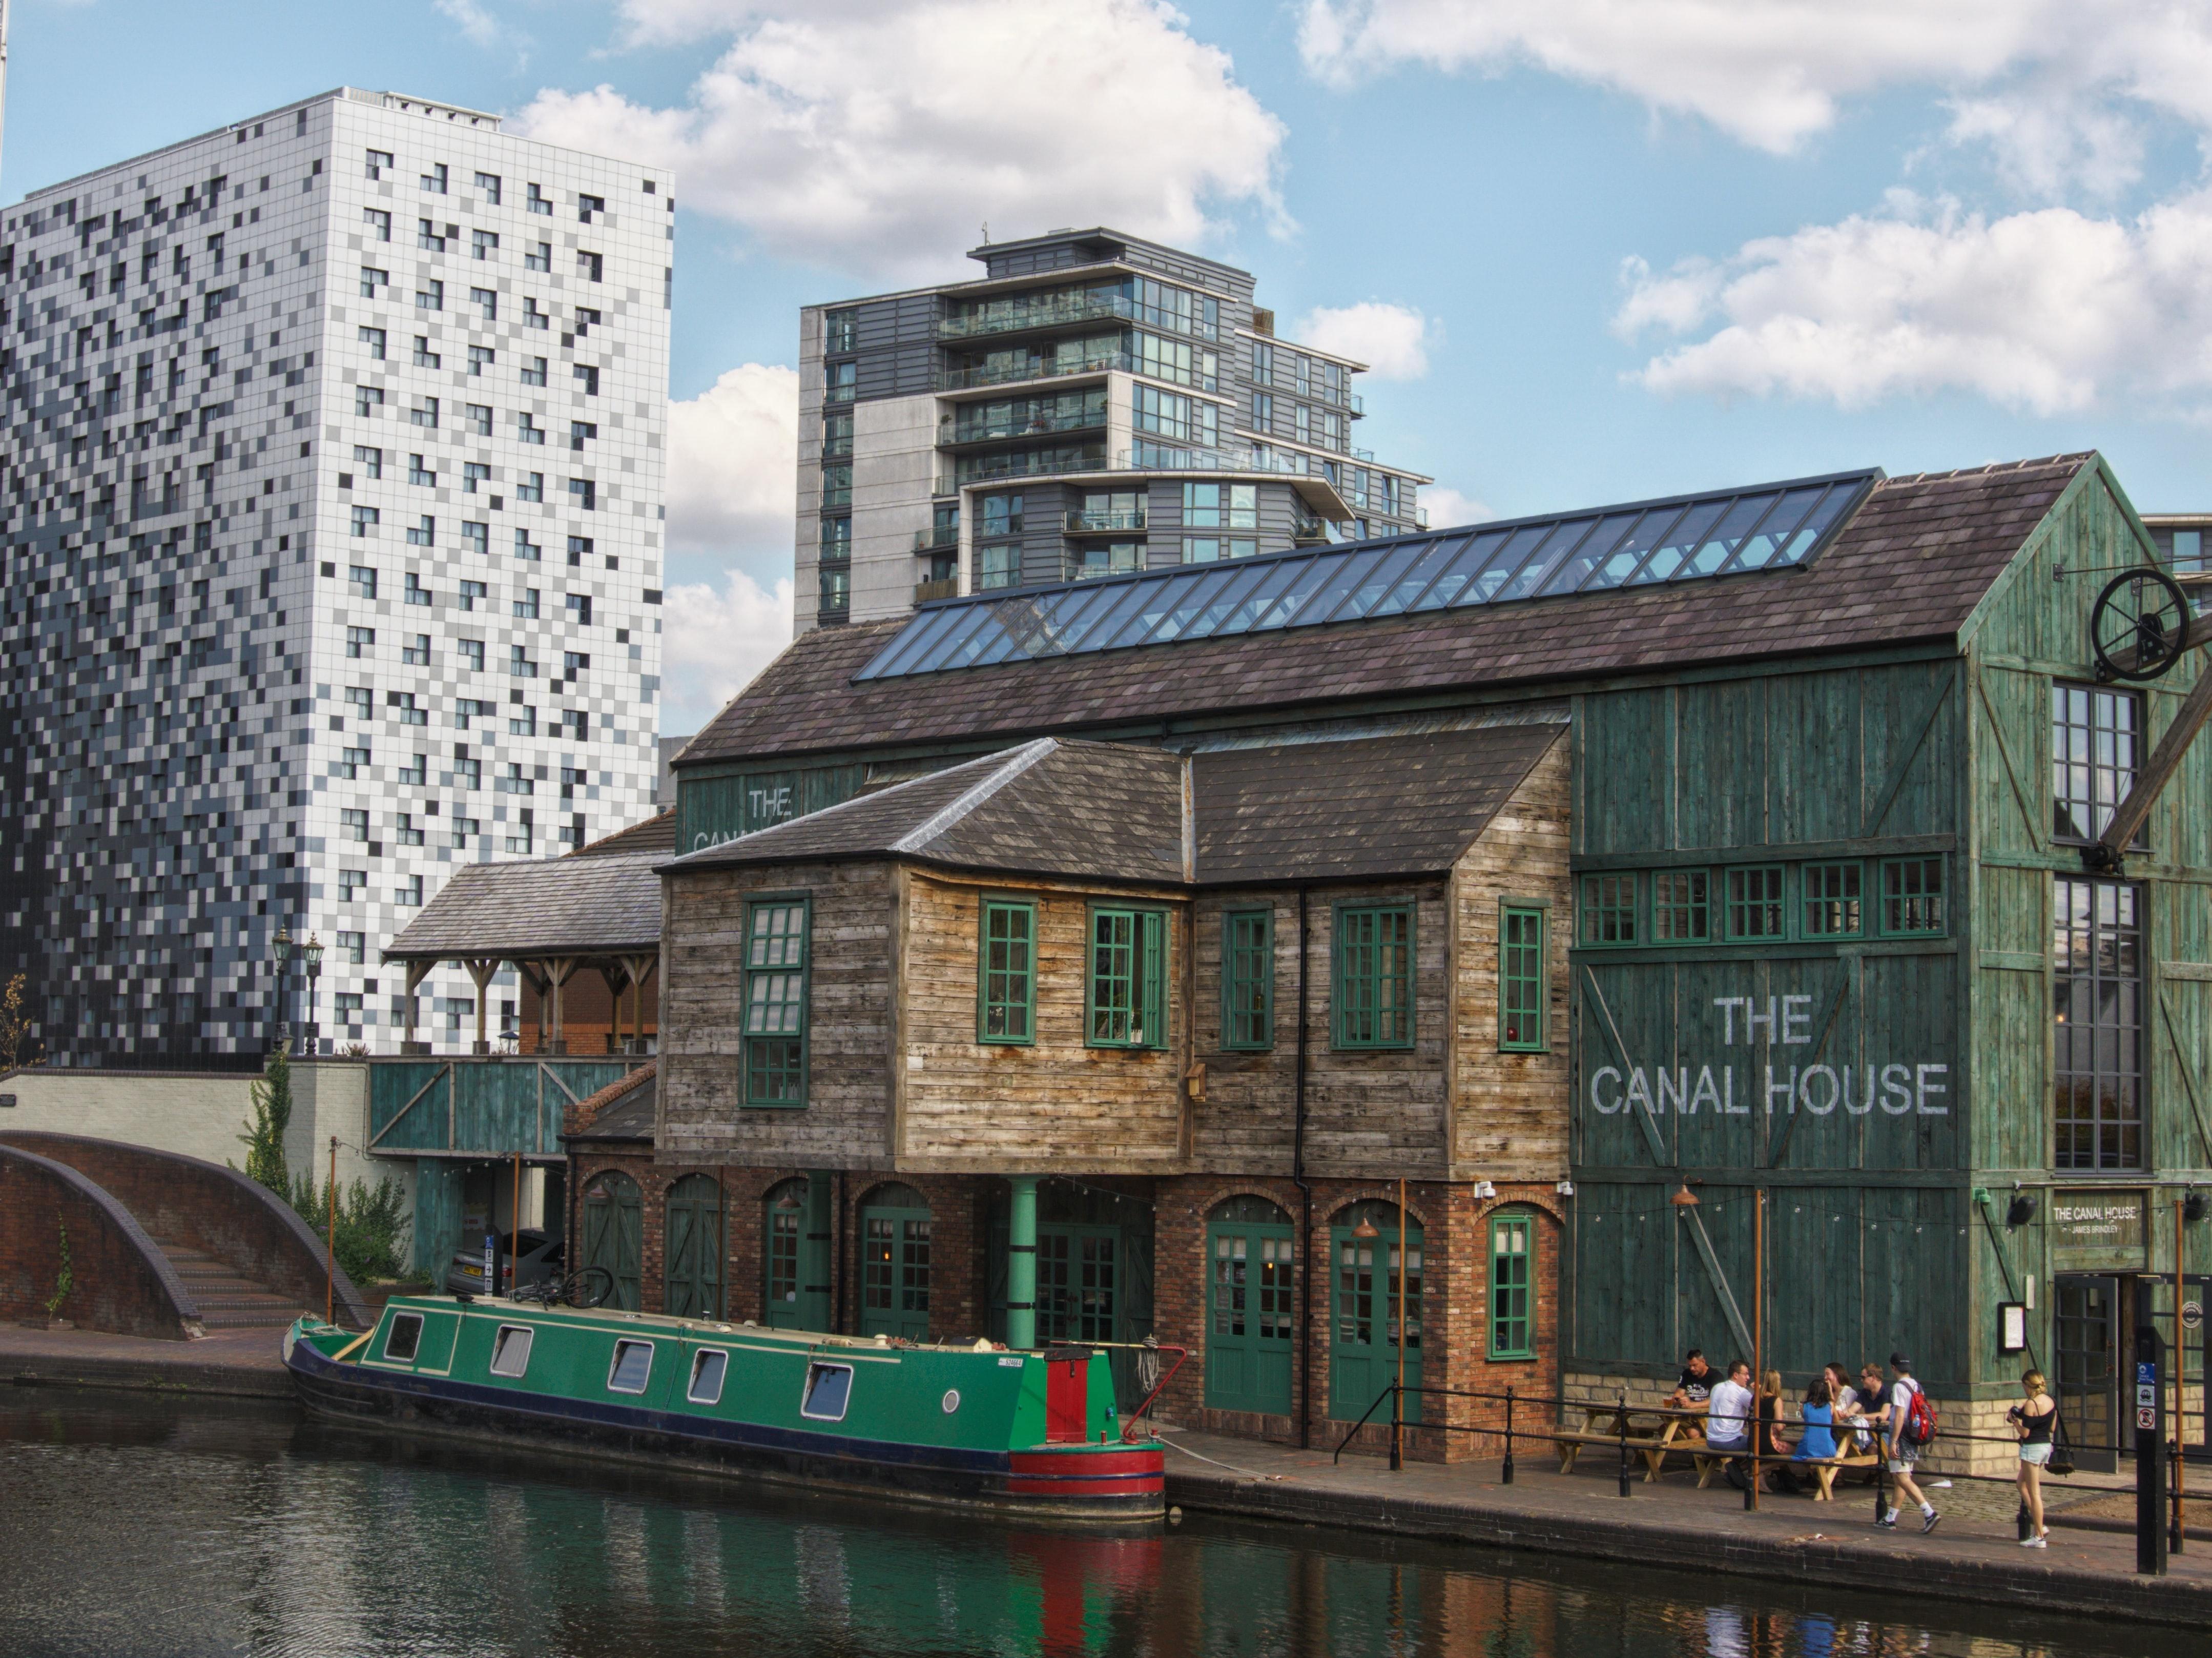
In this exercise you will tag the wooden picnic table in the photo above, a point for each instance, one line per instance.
(1654, 1432)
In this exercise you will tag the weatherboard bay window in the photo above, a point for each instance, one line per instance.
(1754, 904)
(1374, 971)
(1006, 978)
(1521, 978)
(1247, 979)
(775, 1002)
(1609, 908)
(1127, 996)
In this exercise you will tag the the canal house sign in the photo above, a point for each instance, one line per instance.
(2097, 1228)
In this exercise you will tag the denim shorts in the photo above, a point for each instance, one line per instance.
(2039, 1454)
(1902, 1457)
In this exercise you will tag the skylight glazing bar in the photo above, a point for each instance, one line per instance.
(1482, 552)
(1721, 542)
(962, 648)
(904, 650)
(1818, 522)
(1337, 584)
(1437, 557)
(1666, 557)
(1190, 604)
(1099, 623)
(1774, 531)
(1377, 583)
(1155, 599)
(1226, 604)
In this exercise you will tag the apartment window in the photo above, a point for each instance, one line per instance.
(371, 462)
(775, 1002)
(471, 592)
(587, 206)
(536, 201)
(584, 493)
(467, 771)
(590, 267)
(1210, 549)
(1609, 908)
(363, 579)
(2093, 733)
(527, 430)
(419, 474)
(435, 179)
(409, 893)
(1221, 506)
(580, 606)
(465, 830)
(377, 161)
(530, 486)
(427, 237)
(373, 281)
(1521, 978)
(842, 382)
(417, 593)
(409, 834)
(531, 316)
(1007, 975)
(483, 243)
(1754, 904)
(367, 399)
(360, 640)
(353, 949)
(1831, 899)
(373, 338)
(581, 432)
(1247, 979)
(1512, 1287)
(2097, 995)
(513, 781)
(1912, 895)
(415, 653)
(352, 883)
(835, 588)
(350, 762)
(416, 771)
(522, 721)
(533, 371)
(841, 330)
(489, 184)
(467, 710)
(364, 519)
(361, 699)
(425, 413)
(423, 533)
(353, 824)
(1263, 412)
(1682, 907)
(476, 417)
(405, 708)
(1374, 994)
(589, 377)
(999, 567)
(1126, 998)
(430, 296)
(539, 256)
(481, 357)
(836, 484)
(1001, 516)
(486, 300)
(521, 835)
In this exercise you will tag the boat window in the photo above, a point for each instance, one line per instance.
(404, 1336)
(829, 1389)
(633, 1364)
(707, 1369)
(510, 1350)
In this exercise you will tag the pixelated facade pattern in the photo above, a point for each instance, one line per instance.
(333, 523)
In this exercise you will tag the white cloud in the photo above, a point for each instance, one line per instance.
(713, 644)
(882, 137)
(1392, 340)
(1448, 508)
(732, 462)
(2054, 85)
(2050, 311)
(476, 23)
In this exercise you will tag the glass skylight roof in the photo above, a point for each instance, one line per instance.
(1770, 527)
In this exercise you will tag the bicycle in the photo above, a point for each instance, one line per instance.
(589, 1286)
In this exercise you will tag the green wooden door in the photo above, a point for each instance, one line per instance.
(1078, 1282)
(1364, 1334)
(789, 1302)
(692, 1274)
(1250, 1244)
(613, 1235)
(895, 1264)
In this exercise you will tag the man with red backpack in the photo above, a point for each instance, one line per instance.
(1908, 1427)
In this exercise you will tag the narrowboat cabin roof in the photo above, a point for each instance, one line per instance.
(602, 1317)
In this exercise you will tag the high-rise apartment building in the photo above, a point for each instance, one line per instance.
(332, 522)
(1096, 404)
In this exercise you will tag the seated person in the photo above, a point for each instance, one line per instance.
(1728, 1415)
(1696, 1385)
(1820, 1417)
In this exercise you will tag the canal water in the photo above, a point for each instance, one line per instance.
(131, 1527)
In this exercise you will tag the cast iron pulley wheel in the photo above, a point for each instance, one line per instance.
(2140, 626)
(589, 1287)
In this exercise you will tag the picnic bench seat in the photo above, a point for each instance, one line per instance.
(1603, 1424)
(1824, 1468)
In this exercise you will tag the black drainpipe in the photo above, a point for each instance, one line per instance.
(1305, 1211)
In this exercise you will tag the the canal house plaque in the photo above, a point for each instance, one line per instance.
(2098, 1228)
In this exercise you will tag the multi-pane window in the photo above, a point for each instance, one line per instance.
(2095, 730)
(1609, 908)
(1247, 979)
(1221, 506)
(1912, 895)
(1832, 900)
(2097, 989)
(1521, 978)
(1374, 998)
(1512, 1276)
(775, 1003)
(1006, 981)
(1127, 1001)
(1682, 907)
(1754, 904)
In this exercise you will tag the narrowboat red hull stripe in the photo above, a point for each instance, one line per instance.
(1095, 1464)
(1137, 1485)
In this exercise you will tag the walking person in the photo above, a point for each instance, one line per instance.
(1900, 1445)
(2033, 1418)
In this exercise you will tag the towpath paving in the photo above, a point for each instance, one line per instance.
(1974, 1555)
(238, 1363)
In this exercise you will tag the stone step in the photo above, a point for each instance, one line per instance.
(227, 1299)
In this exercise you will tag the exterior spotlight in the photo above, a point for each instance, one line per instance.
(1684, 1198)
(1566, 1188)
(2021, 1210)
(2193, 1207)
(1367, 1228)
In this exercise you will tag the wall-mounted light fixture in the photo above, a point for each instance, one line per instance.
(1684, 1198)
(1484, 1189)
(1566, 1188)
(2021, 1210)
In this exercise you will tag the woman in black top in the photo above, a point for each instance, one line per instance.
(2033, 1419)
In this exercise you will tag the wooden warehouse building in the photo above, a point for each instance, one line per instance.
(1740, 846)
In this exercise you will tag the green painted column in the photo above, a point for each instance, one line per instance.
(1021, 1264)
(814, 1264)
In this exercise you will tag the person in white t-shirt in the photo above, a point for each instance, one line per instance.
(1902, 1452)
(1728, 1415)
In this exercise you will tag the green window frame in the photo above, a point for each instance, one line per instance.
(1609, 908)
(1682, 906)
(1512, 1287)
(777, 973)
(1247, 980)
(1755, 906)
(1124, 996)
(1912, 898)
(1831, 899)
(1373, 1003)
(1521, 978)
(1006, 973)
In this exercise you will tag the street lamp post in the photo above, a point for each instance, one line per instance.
(312, 954)
(282, 944)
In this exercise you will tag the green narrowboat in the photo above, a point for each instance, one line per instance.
(1028, 1432)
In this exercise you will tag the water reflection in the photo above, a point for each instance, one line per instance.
(135, 1527)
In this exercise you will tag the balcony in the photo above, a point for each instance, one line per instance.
(962, 379)
(944, 537)
(960, 429)
(837, 448)
(1046, 311)
(948, 588)
(1105, 523)
(1017, 463)
(1310, 534)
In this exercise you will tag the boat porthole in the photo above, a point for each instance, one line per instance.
(951, 1400)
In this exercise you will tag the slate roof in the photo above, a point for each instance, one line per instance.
(1299, 811)
(629, 1115)
(1908, 567)
(655, 834)
(536, 907)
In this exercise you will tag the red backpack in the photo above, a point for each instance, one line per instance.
(1920, 1425)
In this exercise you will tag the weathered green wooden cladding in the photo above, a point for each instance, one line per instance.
(496, 1106)
(715, 806)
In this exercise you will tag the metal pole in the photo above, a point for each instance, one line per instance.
(1757, 1346)
(1021, 1263)
(514, 1233)
(1398, 1393)
(2180, 1433)
(1508, 1477)
(1621, 1423)
(331, 1240)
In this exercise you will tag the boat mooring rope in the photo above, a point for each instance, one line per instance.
(1248, 1473)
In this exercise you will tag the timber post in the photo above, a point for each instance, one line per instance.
(1021, 1263)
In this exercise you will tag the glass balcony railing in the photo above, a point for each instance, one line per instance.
(960, 430)
(1007, 373)
(1044, 311)
(1105, 523)
(1018, 463)
(937, 540)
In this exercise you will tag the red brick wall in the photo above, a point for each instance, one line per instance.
(119, 1283)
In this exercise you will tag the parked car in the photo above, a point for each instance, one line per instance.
(541, 1259)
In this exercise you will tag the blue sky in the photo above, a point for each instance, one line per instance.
(1608, 250)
